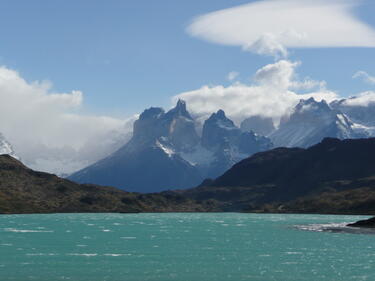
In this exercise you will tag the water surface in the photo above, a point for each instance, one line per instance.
(184, 247)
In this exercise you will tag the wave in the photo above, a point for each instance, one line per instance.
(335, 228)
(25, 230)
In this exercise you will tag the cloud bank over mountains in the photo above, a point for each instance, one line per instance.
(46, 128)
(49, 132)
(272, 94)
(363, 99)
(270, 27)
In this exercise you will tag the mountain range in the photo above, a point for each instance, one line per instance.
(167, 152)
(311, 121)
(334, 176)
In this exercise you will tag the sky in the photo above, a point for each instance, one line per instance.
(73, 72)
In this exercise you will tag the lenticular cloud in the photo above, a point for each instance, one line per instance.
(271, 26)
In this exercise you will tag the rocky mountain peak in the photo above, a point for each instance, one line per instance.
(152, 113)
(220, 120)
(149, 125)
(181, 128)
(310, 122)
(311, 106)
(178, 111)
(221, 134)
(220, 114)
(358, 112)
(176, 127)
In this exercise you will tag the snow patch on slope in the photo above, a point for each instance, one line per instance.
(169, 151)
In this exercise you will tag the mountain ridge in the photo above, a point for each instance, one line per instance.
(256, 186)
(278, 177)
(166, 152)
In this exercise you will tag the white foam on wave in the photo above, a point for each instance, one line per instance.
(26, 230)
(83, 254)
(116, 255)
(42, 254)
(322, 226)
(335, 228)
(293, 253)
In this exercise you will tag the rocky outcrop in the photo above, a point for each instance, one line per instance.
(369, 223)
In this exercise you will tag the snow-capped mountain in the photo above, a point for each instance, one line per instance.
(166, 152)
(6, 147)
(310, 122)
(358, 111)
(228, 143)
(362, 114)
(149, 162)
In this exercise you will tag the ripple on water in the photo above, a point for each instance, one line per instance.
(204, 247)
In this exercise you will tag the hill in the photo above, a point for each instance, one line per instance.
(23, 190)
(334, 176)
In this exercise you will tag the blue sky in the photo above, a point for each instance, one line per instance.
(128, 55)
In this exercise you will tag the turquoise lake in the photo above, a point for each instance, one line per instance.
(184, 247)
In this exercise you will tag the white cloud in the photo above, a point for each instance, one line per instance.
(46, 128)
(362, 99)
(282, 75)
(308, 84)
(268, 44)
(271, 96)
(270, 26)
(277, 75)
(365, 76)
(232, 75)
